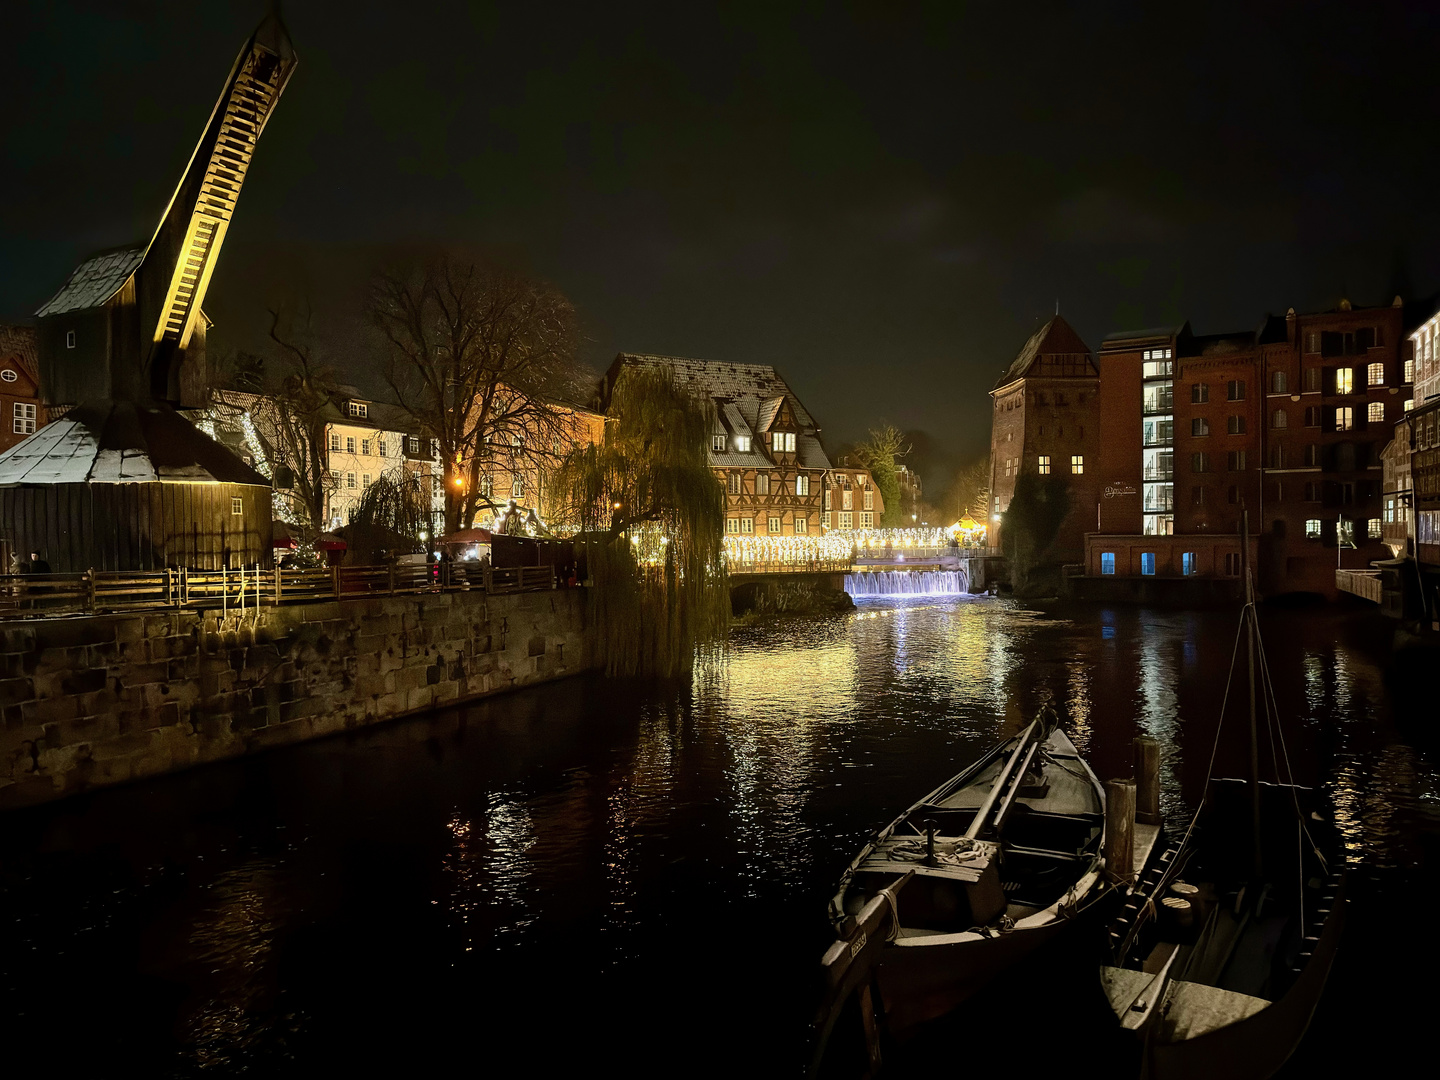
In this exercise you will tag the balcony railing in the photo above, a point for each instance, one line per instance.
(1159, 503)
(1156, 472)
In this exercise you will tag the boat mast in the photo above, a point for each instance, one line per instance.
(1250, 664)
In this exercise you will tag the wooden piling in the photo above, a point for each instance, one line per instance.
(1120, 830)
(1147, 781)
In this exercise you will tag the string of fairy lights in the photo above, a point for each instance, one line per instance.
(841, 546)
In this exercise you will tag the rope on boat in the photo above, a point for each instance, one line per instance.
(890, 898)
(914, 849)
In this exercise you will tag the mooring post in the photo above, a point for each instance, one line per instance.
(1120, 830)
(1147, 780)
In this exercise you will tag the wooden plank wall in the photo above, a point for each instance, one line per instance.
(79, 527)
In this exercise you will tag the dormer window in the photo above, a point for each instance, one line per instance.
(742, 443)
(359, 409)
(717, 443)
(783, 442)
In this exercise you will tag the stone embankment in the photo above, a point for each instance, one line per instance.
(99, 700)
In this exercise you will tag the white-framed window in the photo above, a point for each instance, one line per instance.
(365, 480)
(8, 375)
(869, 499)
(802, 485)
(1077, 461)
(1312, 528)
(827, 504)
(762, 483)
(742, 443)
(1043, 464)
(24, 419)
(349, 479)
(1344, 380)
(334, 441)
(380, 445)
(847, 499)
(784, 442)
(1374, 529)
(412, 444)
(747, 525)
(487, 486)
(1344, 418)
(732, 525)
(774, 526)
(867, 520)
(359, 408)
(237, 506)
(802, 524)
(349, 444)
(1375, 374)
(365, 447)
(69, 339)
(717, 443)
(847, 520)
(825, 520)
(517, 488)
(1376, 412)
(733, 482)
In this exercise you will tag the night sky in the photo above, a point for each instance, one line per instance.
(883, 200)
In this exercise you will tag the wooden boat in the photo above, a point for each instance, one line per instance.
(1220, 954)
(981, 872)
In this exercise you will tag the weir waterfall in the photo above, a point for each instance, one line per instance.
(908, 583)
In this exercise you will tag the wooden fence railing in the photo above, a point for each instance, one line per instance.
(46, 595)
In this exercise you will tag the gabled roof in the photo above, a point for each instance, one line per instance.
(94, 281)
(768, 411)
(1056, 336)
(120, 443)
(18, 343)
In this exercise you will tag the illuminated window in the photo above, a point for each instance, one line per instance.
(867, 520)
(742, 443)
(825, 520)
(732, 525)
(1344, 418)
(1188, 563)
(1375, 374)
(1344, 380)
(237, 506)
(802, 524)
(359, 409)
(802, 485)
(1044, 465)
(869, 499)
(1312, 528)
(847, 499)
(487, 486)
(747, 525)
(1409, 371)
(847, 520)
(717, 443)
(827, 505)
(1376, 412)
(1374, 529)
(1107, 562)
(1409, 404)
(732, 479)
(774, 525)
(1077, 463)
(1147, 563)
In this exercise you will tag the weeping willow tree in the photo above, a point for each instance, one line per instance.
(652, 517)
(394, 515)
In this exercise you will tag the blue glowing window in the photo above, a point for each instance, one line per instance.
(1107, 562)
(1147, 562)
(1187, 563)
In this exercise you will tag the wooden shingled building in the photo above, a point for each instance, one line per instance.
(123, 481)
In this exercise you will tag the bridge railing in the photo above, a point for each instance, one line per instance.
(100, 591)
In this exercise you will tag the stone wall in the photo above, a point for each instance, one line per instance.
(104, 699)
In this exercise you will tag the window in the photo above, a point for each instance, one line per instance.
(847, 520)
(762, 483)
(1312, 528)
(1312, 416)
(732, 525)
(1374, 530)
(1199, 393)
(1044, 465)
(717, 443)
(334, 441)
(359, 409)
(742, 443)
(8, 375)
(1235, 425)
(869, 499)
(1312, 380)
(237, 506)
(1312, 341)
(1312, 492)
(1235, 461)
(1344, 380)
(802, 524)
(773, 526)
(733, 479)
(1197, 496)
(802, 487)
(24, 419)
(365, 447)
(1199, 426)
(1188, 563)
(1077, 464)
(825, 520)
(349, 444)
(1235, 390)
(349, 479)
(1107, 562)
(867, 520)
(1147, 563)
(1277, 456)
(1375, 374)
(413, 444)
(1409, 371)
(1279, 382)
(487, 486)
(1344, 418)
(1199, 462)
(847, 499)
(827, 498)
(382, 448)
(1376, 412)
(1409, 404)
(1232, 563)
(1279, 419)
(783, 442)
(365, 480)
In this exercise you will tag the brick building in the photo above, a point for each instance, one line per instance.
(1046, 420)
(21, 410)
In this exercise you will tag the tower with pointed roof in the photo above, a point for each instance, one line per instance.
(1046, 420)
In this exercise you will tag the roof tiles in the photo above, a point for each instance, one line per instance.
(94, 281)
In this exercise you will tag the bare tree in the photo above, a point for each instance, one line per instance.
(476, 354)
(283, 406)
(880, 454)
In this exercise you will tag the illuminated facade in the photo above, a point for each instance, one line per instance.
(21, 410)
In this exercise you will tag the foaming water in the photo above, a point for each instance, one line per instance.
(603, 870)
(893, 583)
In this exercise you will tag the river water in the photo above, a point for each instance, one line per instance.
(632, 877)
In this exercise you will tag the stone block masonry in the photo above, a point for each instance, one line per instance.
(97, 700)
